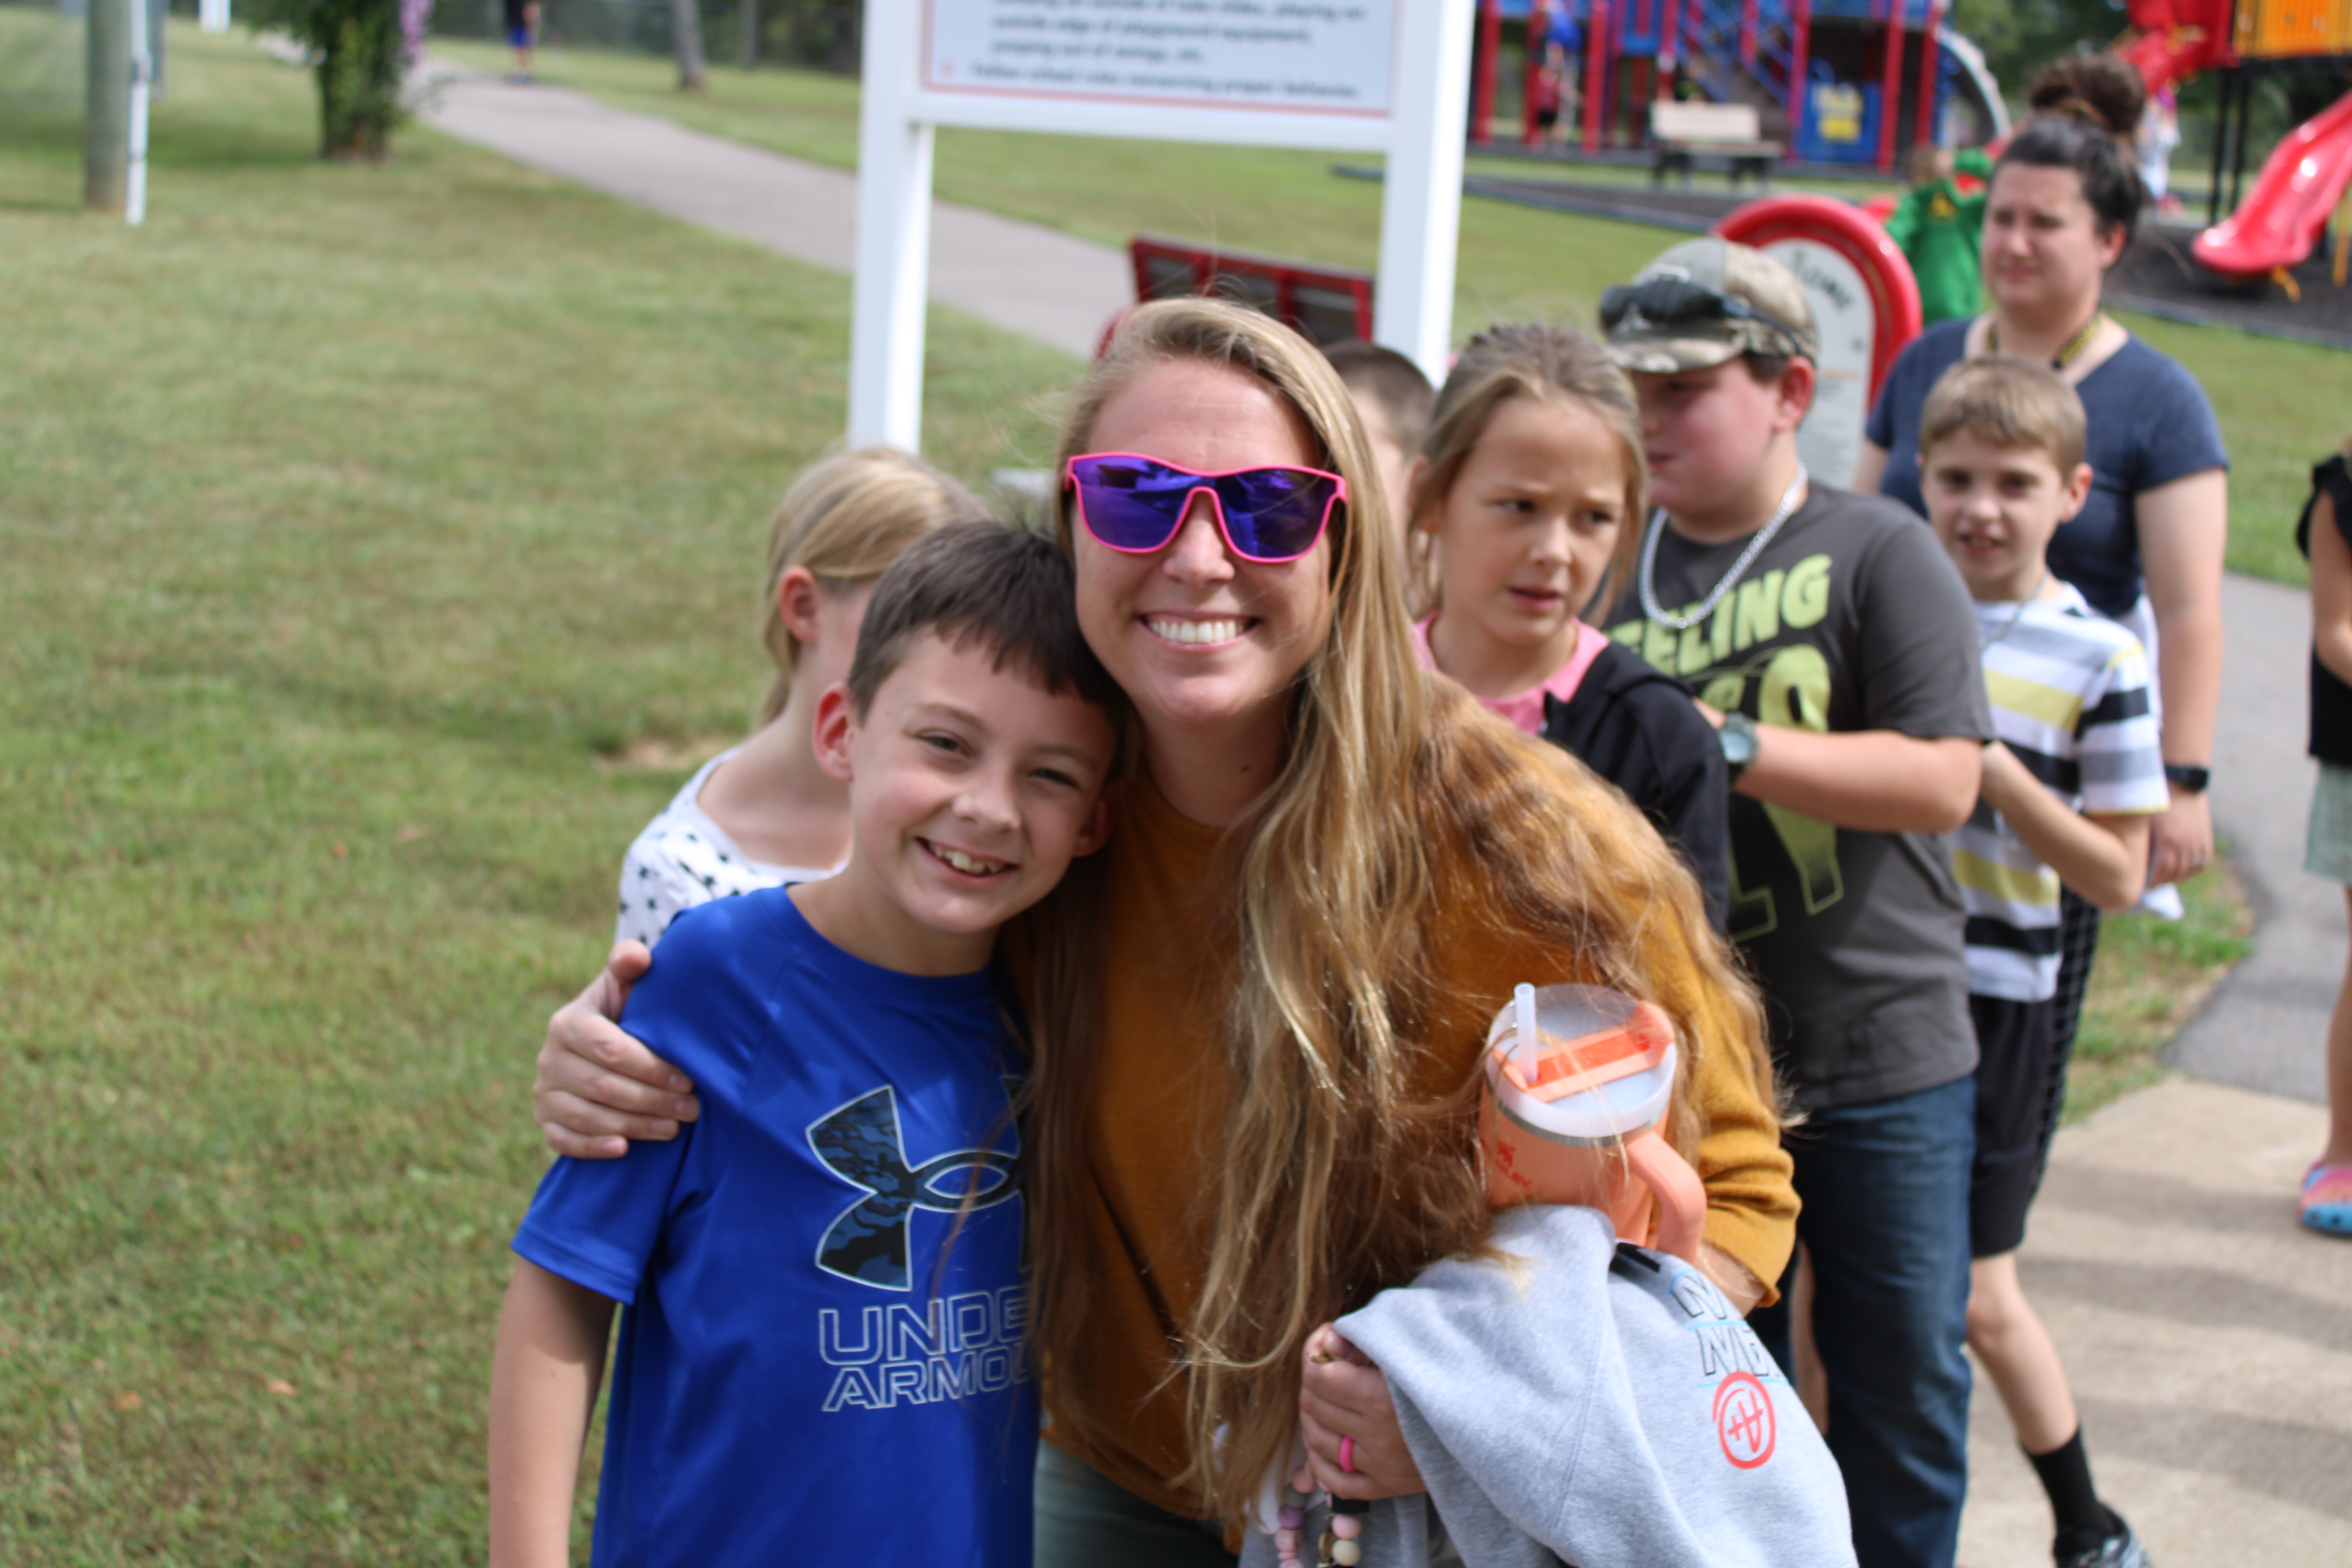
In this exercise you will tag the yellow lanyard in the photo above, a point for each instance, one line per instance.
(2067, 355)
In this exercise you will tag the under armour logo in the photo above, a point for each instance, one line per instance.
(861, 1143)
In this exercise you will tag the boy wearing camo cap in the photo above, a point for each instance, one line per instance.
(1833, 645)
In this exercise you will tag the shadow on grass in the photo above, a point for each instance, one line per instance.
(198, 141)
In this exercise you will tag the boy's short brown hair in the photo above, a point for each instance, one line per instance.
(1010, 592)
(2006, 403)
(1393, 383)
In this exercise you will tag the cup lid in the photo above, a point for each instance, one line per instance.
(1601, 1113)
(1585, 1036)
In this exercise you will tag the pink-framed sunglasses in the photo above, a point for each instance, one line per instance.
(1134, 504)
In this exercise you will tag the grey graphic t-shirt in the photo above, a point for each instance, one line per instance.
(1851, 619)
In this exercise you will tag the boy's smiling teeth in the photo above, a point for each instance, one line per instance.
(971, 865)
(1174, 630)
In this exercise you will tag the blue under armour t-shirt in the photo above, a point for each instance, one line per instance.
(807, 1372)
(2150, 423)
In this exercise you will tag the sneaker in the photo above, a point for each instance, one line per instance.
(2121, 1549)
(2326, 1203)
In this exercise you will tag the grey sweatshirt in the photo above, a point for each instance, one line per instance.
(1585, 1404)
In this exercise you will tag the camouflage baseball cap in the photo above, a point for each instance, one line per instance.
(1705, 301)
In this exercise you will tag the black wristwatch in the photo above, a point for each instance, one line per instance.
(1737, 737)
(2183, 776)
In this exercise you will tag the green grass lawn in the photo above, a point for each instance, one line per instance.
(351, 517)
(2283, 405)
(2150, 978)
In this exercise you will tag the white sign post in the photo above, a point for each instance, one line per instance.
(1360, 76)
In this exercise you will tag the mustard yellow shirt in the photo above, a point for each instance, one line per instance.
(1162, 1088)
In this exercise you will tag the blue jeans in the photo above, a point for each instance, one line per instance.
(1885, 1190)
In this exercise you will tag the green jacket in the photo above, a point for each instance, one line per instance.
(1938, 230)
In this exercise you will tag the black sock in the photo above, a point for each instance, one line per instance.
(2065, 1472)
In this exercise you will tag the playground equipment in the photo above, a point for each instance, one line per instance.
(2306, 178)
(1325, 304)
(1828, 77)
(1865, 307)
(2302, 181)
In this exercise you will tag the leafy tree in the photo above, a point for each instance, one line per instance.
(2020, 37)
(359, 50)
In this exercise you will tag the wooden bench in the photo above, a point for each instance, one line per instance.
(1681, 132)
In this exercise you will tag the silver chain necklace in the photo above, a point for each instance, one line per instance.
(2018, 614)
(1787, 508)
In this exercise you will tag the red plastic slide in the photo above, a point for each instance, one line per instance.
(2280, 220)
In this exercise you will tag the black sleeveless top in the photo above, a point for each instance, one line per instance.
(2331, 699)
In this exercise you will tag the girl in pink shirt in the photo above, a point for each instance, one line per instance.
(1531, 485)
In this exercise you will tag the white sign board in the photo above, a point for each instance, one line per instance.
(1255, 54)
(1374, 75)
(1829, 440)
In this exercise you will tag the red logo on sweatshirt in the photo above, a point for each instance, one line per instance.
(1744, 1422)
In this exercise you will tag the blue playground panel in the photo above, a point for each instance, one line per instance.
(1839, 120)
(1769, 13)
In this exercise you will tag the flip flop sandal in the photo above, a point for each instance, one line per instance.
(2327, 1199)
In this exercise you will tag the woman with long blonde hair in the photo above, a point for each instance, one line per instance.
(1258, 1013)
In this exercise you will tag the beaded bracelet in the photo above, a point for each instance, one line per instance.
(1340, 1546)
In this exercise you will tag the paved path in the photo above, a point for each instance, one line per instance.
(2208, 1339)
(1035, 281)
(2265, 1026)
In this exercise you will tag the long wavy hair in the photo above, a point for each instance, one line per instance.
(1347, 1162)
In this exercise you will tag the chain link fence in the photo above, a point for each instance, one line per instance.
(823, 34)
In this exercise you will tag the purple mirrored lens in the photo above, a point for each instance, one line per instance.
(1274, 514)
(1270, 514)
(1131, 505)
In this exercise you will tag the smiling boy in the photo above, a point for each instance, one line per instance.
(821, 1360)
(1832, 641)
(2069, 791)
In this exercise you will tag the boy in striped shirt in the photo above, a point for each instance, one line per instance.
(2069, 787)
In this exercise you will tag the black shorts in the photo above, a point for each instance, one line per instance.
(2015, 1051)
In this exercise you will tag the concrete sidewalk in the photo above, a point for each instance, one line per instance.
(1035, 281)
(2207, 1337)
(2265, 1024)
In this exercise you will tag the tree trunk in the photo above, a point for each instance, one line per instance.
(106, 112)
(686, 37)
(358, 85)
(751, 32)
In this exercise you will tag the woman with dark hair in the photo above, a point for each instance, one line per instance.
(2147, 548)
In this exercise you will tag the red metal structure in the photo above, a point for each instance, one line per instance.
(1890, 88)
(1481, 85)
(1325, 304)
(1925, 128)
(1845, 228)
